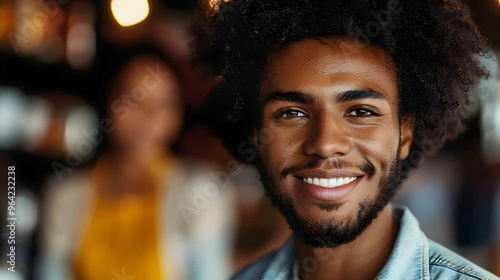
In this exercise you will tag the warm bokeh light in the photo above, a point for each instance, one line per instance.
(129, 12)
(214, 4)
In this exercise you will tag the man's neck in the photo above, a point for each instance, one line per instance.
(361, 259)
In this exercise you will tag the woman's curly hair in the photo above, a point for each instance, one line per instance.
(434, 45)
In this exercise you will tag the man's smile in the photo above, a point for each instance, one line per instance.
(327, 189)
(329, 183)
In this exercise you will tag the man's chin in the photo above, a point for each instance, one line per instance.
(326, 208)
(330, 230)
(311, 212)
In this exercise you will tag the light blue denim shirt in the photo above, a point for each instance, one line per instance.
(413, 257)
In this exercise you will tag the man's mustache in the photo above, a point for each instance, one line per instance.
(335, 163)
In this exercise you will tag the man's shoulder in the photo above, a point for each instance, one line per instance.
(255, 270)
(446, 264)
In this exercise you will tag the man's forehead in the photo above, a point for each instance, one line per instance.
(312, 62)
(335, 47)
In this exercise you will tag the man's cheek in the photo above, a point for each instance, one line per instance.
(271, 152)
(268, 161)
(274, 170)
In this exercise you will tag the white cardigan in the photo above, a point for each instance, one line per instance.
(197, 250)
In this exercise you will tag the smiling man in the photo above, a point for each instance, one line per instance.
(335, 102)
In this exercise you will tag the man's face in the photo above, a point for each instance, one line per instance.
(331, 161)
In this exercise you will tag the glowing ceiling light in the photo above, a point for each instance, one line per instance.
(129, 12)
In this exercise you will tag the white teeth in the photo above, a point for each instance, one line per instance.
(329, 183)
(332, 182)
(323, 182)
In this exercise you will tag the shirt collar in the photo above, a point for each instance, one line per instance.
(409, 258)
(281, 266)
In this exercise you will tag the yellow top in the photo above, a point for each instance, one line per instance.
(121, 241)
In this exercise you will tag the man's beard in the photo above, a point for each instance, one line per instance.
(333, 233)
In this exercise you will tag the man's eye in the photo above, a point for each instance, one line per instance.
(361, 113)
(290, 114)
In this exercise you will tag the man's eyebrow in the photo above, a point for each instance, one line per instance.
(359, 94)
(290, 96)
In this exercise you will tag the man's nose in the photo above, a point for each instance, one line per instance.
(327, 138)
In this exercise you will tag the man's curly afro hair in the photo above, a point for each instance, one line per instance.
(433, 44)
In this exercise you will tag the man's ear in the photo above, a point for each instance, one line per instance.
(256, 141)
(407, 127)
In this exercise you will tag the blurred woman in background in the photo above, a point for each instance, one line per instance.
(132, 215)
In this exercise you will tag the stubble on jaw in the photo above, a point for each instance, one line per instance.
(333, 233)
